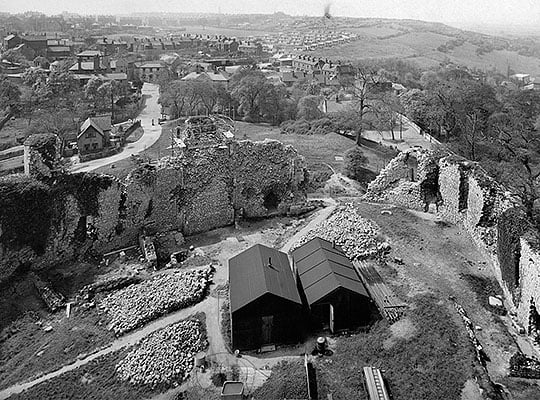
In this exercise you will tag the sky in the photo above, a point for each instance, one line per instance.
(482, 12)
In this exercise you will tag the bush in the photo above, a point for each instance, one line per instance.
(354, 164)
(25, 212)
(226, 325)
(320, 126)
(318, 178)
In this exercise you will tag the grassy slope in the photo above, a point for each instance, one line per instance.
(433, 363)
(70, 337)
(95, 380)
(419, 44)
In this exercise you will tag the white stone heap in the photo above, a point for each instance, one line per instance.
(163, 357)
(138, 304)
(356, 235)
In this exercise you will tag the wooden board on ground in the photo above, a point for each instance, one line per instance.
(389, 305)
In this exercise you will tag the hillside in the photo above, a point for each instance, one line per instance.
(429, 44)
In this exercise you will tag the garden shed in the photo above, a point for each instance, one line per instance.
(264, 302)
(330, 286)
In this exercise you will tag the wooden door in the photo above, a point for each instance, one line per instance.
(267, 324)
(331, 318)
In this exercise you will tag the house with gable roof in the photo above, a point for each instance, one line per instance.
(94, 135)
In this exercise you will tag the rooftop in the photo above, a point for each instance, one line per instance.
(323, 268)
(257, 271)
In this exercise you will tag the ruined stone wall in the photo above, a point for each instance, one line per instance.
(268, 173)
(201, 190)
(409, 180)
(492, 215)
(529, 270)
(53, 216)
(450, 182)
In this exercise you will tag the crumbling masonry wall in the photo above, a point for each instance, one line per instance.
(409, 180)
(201, 190)
(492, 215)
(529, 267)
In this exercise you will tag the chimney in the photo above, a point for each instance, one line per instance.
(79, 63)
(96, 63)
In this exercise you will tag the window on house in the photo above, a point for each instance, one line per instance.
(94, 146)
(86, 146)
(90, 134)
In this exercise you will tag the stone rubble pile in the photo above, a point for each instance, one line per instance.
(353, 233)
(165, 356)
(138, 304)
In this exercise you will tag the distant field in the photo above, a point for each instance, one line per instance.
(419, 41)
(364, 49)
(375, 31)
(421, 48)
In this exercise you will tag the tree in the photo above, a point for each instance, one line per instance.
(180, 97)
(388, 112)
(354, 165)
(308, 108)
(514, 157)
(41, 62)
(277, 105)
(249, 92)
(9, 95)
(366, 87)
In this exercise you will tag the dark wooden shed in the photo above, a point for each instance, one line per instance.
(330, 286)
(264, 302)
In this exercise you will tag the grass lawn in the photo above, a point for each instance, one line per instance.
(31, 351)
(433, 360)
(95, 380)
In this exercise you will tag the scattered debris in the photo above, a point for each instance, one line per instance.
(165, 356)
(52, 299)
(356, 235)
(138, 304)
(524, 367)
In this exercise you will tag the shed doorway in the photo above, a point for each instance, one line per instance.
(267, 325)
(324, 316)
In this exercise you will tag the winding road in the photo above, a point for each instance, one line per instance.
(152, 110)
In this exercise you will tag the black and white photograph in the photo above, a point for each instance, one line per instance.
(270, 200)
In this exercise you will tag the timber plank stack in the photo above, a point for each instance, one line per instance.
(389, 305)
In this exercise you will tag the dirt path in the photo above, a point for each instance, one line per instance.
(321, 215)
(130, 339)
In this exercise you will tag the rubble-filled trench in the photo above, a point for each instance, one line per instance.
(462, 192)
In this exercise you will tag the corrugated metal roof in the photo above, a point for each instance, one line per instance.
(323, 268)
(250, 276)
